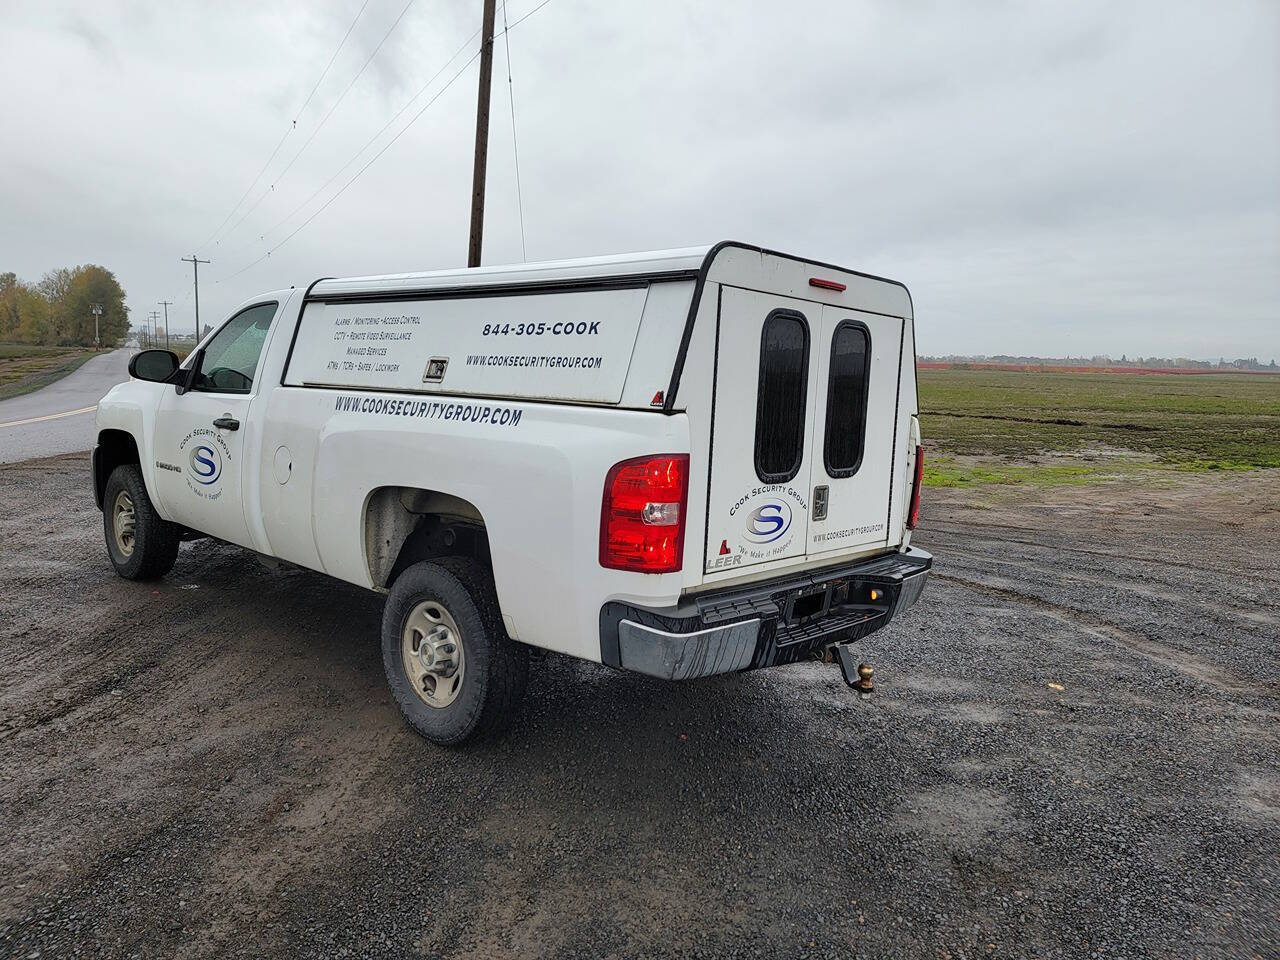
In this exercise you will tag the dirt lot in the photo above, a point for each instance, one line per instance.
(210, 766)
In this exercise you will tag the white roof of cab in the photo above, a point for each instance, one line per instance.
(688, 259)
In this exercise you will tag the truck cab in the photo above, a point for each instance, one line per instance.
(680, 463)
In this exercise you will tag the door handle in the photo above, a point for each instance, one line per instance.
(227, 423)
(820, 496)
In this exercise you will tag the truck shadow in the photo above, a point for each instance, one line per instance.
(330, 627)
(626, 735)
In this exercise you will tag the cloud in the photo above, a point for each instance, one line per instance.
(1046, 178)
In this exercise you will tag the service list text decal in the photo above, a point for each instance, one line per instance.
(573, 346)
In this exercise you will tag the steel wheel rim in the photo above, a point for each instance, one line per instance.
(124, 522)
(432, 651)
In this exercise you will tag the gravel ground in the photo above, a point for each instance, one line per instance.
(211, 766)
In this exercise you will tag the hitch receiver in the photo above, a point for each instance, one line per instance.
(856, 675)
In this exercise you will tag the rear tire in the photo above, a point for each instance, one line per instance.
(142, 545)
(453, 670)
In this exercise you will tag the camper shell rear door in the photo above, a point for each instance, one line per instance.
(804, 432)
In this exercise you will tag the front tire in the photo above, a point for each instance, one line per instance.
(142, 545)
(453, 670)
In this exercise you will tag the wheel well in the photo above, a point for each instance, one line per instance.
(115, 448)
(403, 525)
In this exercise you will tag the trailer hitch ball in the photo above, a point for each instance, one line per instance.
(865, 685)
(859, 677)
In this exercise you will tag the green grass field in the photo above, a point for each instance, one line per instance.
(25, 367)
(996, 426)
(20, 351)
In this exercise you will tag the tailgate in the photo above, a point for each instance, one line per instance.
(806, 398)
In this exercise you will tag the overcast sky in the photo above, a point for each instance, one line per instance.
(1047, 178)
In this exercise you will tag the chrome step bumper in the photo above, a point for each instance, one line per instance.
(764, 624)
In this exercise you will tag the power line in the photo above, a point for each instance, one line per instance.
(515, 144)
(356, 156)
(323, 120)
(527, 15)
(356, 175)
(374, 158)
(408, 103)
(288, 130)
(325, 72)
(236, 206)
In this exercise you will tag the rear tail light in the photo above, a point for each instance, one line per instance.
(642, 517)
(913, 514)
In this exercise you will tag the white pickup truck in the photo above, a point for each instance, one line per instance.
(681, 463)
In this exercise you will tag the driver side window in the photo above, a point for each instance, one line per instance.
(231, 357)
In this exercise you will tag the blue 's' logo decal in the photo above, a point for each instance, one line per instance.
(769, 522)
(206, 464)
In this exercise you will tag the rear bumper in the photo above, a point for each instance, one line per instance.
(763, 624)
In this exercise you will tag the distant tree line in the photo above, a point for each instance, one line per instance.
(1099, 360)
(58, 311)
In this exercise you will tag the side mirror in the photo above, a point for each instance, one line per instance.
(155, 366)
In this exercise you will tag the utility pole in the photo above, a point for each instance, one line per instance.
(166, 304)
(482, 136)
(195, 272)
(96, 310)
(155, 335)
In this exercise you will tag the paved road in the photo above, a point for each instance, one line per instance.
(59, 418)
(1074, 752)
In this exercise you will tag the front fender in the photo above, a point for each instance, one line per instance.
(130, 407)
